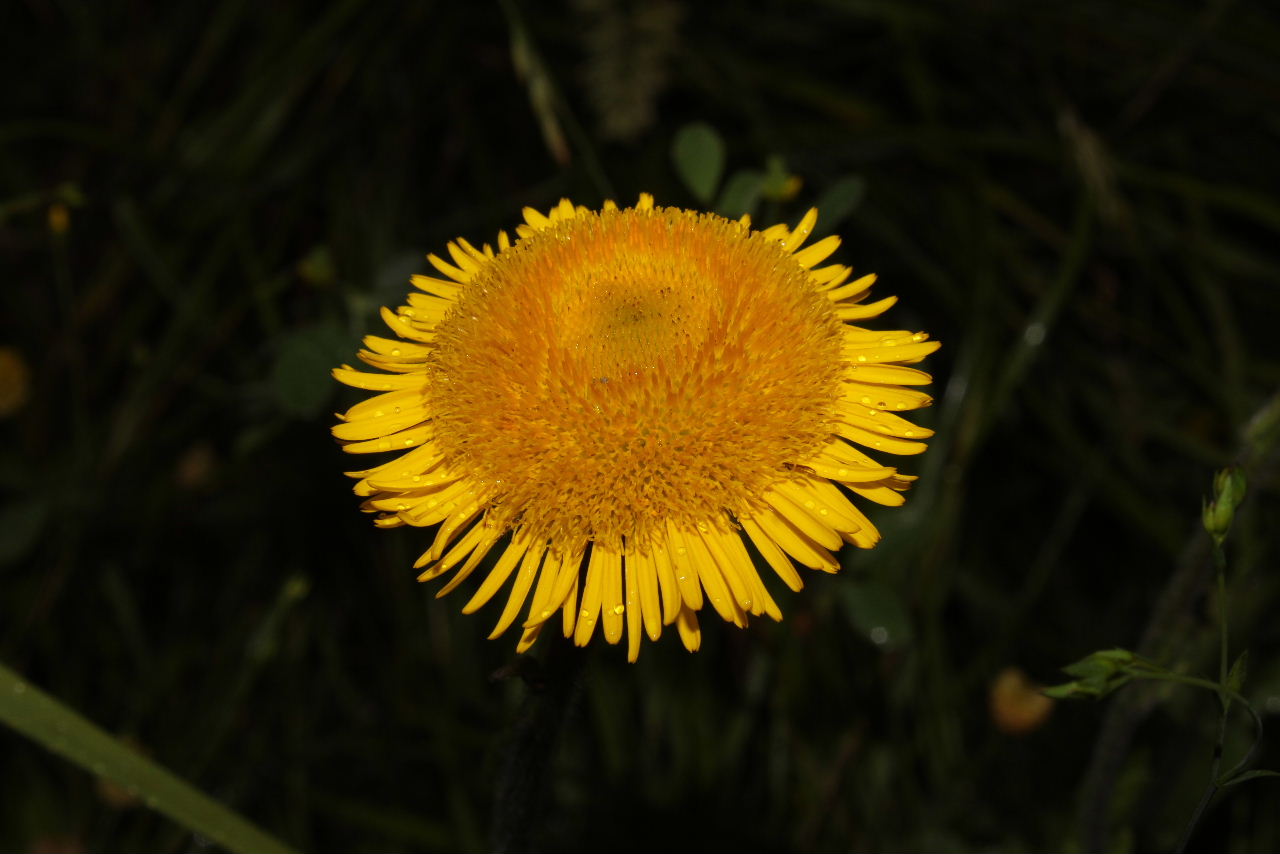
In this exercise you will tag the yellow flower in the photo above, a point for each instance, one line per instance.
(619, 401)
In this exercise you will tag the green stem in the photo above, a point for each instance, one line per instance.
(1220, 562)
(45, 720)
(519, 801)
(1225, 696)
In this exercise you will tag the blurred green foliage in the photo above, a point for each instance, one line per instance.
(202, 206)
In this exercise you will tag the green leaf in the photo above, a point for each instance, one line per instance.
(1239, 671)
(1098, 673)
(877, 612)
(1065, 691)
(780, 184)
(318, 268)
(1249, 775)
(300, 377)
(741, 193)
(698, 152)
(839, 200)
(58, 728)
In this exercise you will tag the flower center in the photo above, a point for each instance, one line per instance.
(625, 368)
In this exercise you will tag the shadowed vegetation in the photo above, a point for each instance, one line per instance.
(203, 205)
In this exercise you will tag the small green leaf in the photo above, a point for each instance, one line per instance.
(318, 268)
(698, 152)
(1065, 691)
(1239, 671)
(741, 193)
(1100, 673)
(877, 612)
(1248, 775)
(780, 183)
(839, 200)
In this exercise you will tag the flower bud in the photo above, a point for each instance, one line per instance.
(1228, 491)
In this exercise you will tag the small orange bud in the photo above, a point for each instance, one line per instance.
(14, 381)
(1017, 706)
(59, 218)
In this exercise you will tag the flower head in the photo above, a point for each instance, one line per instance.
(619, 401)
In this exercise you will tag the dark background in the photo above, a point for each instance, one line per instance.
(202, 206)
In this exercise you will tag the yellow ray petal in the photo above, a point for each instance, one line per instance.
(818, 252)
(569, 610)
(713, 582)
(880, 442)
(487, 541)
(791, 540)
(592, 596)
(500, 573)
(459, 276)
(877, 421)
(808, 524)
(891, 374)
(641, 567)
(739, 587)
(884, 397)
(682, 565)
(633, 607)
(542, 593)
(612, 606)
(772, 554)
(858, 286)
(802, 230)
(736, 552)
(672, 599)
(524, 580)
(375, 382)
(447, 291)
(687, 625)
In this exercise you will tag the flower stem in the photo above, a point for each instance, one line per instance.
(554, 690)
(1224, 700)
